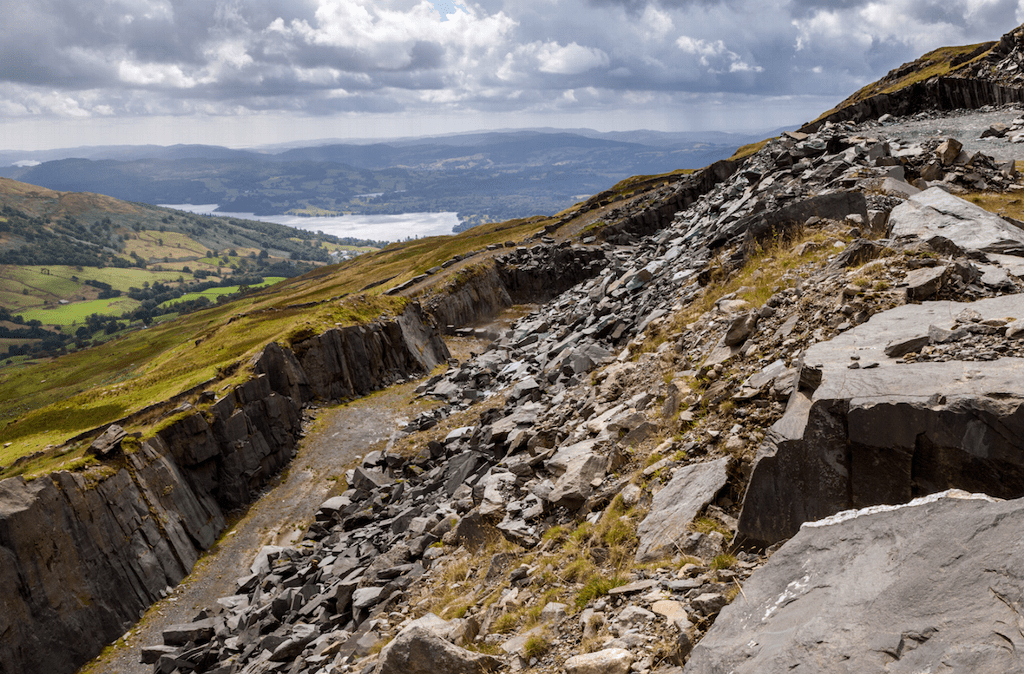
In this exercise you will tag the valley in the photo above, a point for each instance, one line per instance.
(760, 416)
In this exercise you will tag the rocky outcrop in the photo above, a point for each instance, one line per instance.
(937, 213)
(626, 227)
(527, 274)
(355, 360)
(887, 589)
(866, 428)
(83, 555)
(81, 561)
(675, 507)
(616, 415)
(991, 74)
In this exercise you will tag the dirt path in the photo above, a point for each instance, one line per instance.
(339, 436)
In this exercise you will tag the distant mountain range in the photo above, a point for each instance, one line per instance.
(483, 176)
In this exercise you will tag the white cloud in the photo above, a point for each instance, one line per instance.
(147, 74)
(715, 55)
(571, 59)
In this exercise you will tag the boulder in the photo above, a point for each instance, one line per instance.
(575, 484)
(948, 151)
(997, 130)
(608, 661)
(852, 438)
(740, 328)
(198, 632)
(417, 651)
(936, 212)
(935, 583)
(108, 442)
(925, 283)
(673, 509)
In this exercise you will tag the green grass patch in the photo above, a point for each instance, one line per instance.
(745, 151)
(74, 313)
(596, 587)
(213, 293)
(151, 244)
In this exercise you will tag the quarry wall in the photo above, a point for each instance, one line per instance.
(82, 557)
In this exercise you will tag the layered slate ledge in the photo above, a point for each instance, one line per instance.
(889, 431)
(80, 562)
(933, 586)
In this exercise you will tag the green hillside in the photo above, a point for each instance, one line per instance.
(87, 266)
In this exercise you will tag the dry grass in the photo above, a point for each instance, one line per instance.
(745, 151)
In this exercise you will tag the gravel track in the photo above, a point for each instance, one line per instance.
(340, 436)
(965, 126)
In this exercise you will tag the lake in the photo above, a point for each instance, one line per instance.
(377, 227)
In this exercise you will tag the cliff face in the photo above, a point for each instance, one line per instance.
(939, 93)
(82, 557)
(990, 74)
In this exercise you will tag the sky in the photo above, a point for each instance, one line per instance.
(244, 73)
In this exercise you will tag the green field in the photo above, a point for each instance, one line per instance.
(71, 314)
(213, 293)
(32, 286)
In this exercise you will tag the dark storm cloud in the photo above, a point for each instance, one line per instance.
(127, 57)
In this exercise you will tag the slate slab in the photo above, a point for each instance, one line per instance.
(673, 509)
(932, 586)
(935, 212)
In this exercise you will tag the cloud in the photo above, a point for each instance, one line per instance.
(715, 56)
(571, 59)
(321, 58)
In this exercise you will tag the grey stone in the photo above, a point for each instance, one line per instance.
(108, 442)
(898, 188)
(740, 328)
(935, 212)
(366, 596)
(856, 438)
(417, 651)
(997, 130)
(198, 632)
(895, 590)
(925, 283)
(370, 479)
(937, 335)
(608, 661)
(574, 486)
(900, 347)
(674, 507)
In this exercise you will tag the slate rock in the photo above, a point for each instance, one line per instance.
(935, 212)
(741, 328)
(107, 443)
(417, 651)
(856, 438)
(884, 589)
(608, 661)
(925, 283)
(948, 151)
(691, 489)
(198, 632)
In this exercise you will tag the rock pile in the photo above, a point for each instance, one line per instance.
(570, 504)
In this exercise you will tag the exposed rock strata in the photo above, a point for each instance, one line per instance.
(84, 556)
(591, 385)
(858, 437)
